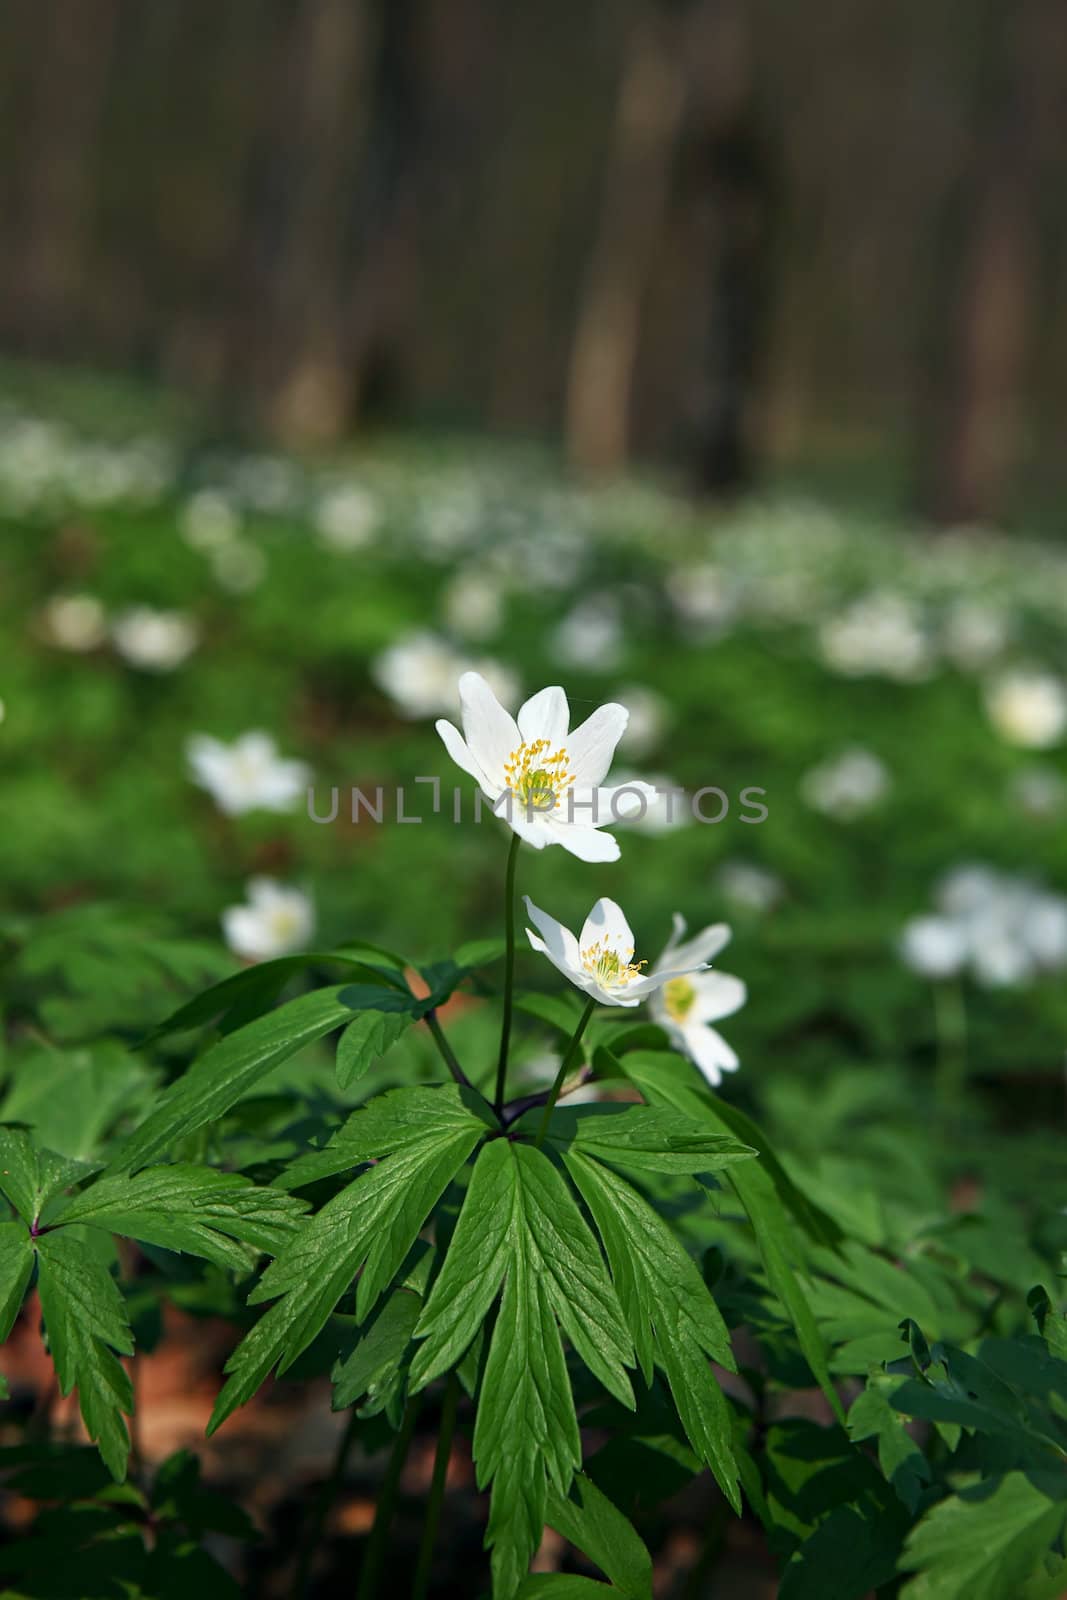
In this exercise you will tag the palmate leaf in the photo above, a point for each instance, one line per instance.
(644, 1138)
(672, 1317)
(663, 1080)
(230, 1069)
(420, 1137)
(520, 1225)
(990, 1542)
(31, 1177)
(16, 1266)
(589, 1521)
(85, 1319)
(218, 1215)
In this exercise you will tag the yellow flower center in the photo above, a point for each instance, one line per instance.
(610, 969)
(537, 775)
(678, 997)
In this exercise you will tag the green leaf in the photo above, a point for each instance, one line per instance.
(520, 1223)
(562, 1586)
(902, 1462)
(984, 1543)
(192, 1209)
(372, 1224)
(85, 1319)
(755, 1186)
(673, 1319)
(589, 1521)
(391, 1122)
(31, 1177)
(645, 1138)
(371, 1368)
(229, 1070)
(560, 1011)
(259, 986)
(72, 1097)
(16, 1266)
(367, 1039)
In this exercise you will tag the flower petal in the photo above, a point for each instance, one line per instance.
(592, 745)
(718, 995)
(463, 756)
(588, 844)
(607, 924)
(491, 731)
(655, 980)
(697, 951)
(545, 715)
(709, 1051)
(559, 943)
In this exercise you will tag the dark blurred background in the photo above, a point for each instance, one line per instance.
(729, 235)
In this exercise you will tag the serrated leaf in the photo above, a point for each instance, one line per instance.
(389, 1123)
(229, 1070)
(16, 1266)
(218, 1215)
(755, 1186)
(589, 1521)
(673, 1319)
(644, 1138)
(520, 1223)
(85, 1319)
(373, 1365)
(984, 1543)
(372, 1224)
(366, 1040)
(261, 984)
(30, 1177)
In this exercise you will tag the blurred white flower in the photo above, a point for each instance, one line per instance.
(703, 596)
(74, 622)
(1039, 792)
(934, 947)
(545, 782)
(600, 961)
(419, 674)
(749, 887)
(590, 636)
(847, 786)
(154, 641)
(879, 635)
(346, 517)
(472, 605)
(648, 719)
(238, 567)
(274, 922)
(1028, 707)
(686, 1006)
(248, 775)
(1005, 929)
(208, 520)
(974, 633)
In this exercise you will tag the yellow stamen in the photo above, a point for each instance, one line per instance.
(678, 997)
(610, 968)
(537, 775)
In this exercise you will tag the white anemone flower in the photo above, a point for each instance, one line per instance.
(547, 783)
(248, 775)
(1028, 708)
(74, 622)
(689, 1001)
(274, 922)
(600, 961)
(154, 641)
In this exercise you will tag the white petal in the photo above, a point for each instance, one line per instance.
(701, 948)
(607, 924)
(560, 945)
(491, 731)
(718, 995)
(710, 1052)
(588, 844)
(622, 802)
(656, 980)
(457, 748)
(592, 745)
(545, 715)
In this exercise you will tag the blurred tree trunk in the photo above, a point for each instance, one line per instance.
(604, 353)
(72, 48)
(979, 352)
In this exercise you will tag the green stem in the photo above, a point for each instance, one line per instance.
(950, 1021)
(323, 1505)
(437, 1488)
(564, 1068)
(509, 970)
(377, 1544)
(447, 1052)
